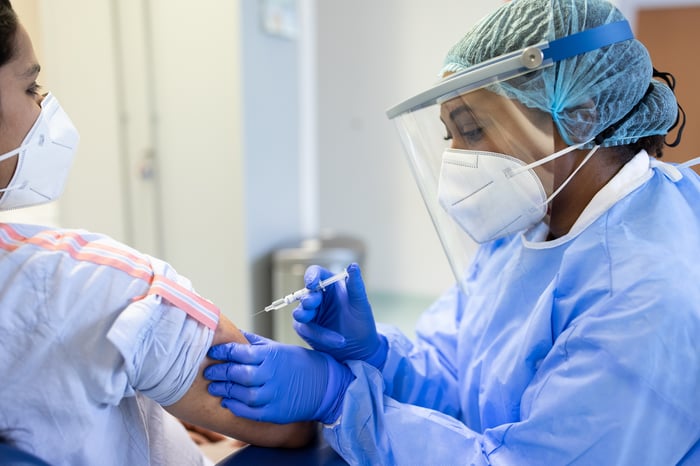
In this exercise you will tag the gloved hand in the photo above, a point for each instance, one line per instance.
(339, 320)
(273, 382)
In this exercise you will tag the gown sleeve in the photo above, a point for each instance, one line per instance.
(588, 404)
(424, 373)
(599, 396)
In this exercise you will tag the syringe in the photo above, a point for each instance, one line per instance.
(297, 295)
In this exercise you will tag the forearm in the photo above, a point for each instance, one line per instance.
(199, 407)
(419, 375)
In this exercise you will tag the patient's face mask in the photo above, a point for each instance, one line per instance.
(44, 159)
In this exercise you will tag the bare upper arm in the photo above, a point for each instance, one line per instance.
(199, 407)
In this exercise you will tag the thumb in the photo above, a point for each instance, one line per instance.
(254, 339)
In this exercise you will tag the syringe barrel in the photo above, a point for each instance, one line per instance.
(297, 295)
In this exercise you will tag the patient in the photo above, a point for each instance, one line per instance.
(99, 342)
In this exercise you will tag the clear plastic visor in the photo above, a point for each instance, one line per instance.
(484, 119)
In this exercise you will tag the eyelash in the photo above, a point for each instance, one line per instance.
(473, 135)
(34, 89)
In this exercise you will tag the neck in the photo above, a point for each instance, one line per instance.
(568, 205)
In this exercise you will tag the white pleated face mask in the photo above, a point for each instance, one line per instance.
(492, 195)
(44, 159)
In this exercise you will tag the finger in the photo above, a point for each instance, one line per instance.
(319, 337)
(308, 307)
(314, 274)
(250, 396)
(243, 410)
(355, 285)
(312, 300)
(303, 315)
(237, 352)
(254, 339)
(249, 376)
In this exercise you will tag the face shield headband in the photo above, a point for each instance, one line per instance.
(418, 120)
(517, 63)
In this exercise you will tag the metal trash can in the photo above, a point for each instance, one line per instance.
(289, 264)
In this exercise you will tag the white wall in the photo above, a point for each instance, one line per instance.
(226, 118)
(183, 101)
(630, 7)
(46, 214)
(372, 55)
(161, 75)
(81, 73)
(366, 187)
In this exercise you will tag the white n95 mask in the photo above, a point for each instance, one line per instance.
(492, 195)
(44, 159)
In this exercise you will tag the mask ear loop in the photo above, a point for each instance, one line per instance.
(12, 153)
(599, 139)
(510, 173)
(513, 172)
(570, 177)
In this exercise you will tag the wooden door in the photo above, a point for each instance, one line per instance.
(672, 36)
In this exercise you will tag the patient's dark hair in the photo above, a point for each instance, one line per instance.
(8, 31)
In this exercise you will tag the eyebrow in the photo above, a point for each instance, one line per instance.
(462, 109)
(32, 71)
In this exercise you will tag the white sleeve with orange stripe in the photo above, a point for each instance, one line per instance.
(164, 336)
(92, 284)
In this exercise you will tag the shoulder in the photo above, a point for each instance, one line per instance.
(57, 276)
(50, 248)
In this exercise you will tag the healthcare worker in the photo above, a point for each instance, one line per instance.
(99, 342)
(572, 335)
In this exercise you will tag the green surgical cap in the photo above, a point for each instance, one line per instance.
(584, 94)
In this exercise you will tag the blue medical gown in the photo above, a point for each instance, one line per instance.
(579, 351)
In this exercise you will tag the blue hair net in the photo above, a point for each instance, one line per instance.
(584, 94)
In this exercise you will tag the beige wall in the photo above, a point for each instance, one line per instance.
(47, 214)
(28, 15)
(672, 35)
(142, 77)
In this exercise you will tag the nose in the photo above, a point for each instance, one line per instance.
(456, 144)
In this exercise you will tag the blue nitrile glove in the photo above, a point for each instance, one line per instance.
(273, 382)
(339, 320)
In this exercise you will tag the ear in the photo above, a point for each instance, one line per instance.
(584, 123)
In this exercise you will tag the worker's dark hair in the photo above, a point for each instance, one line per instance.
(8, 31)
(654, 146)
